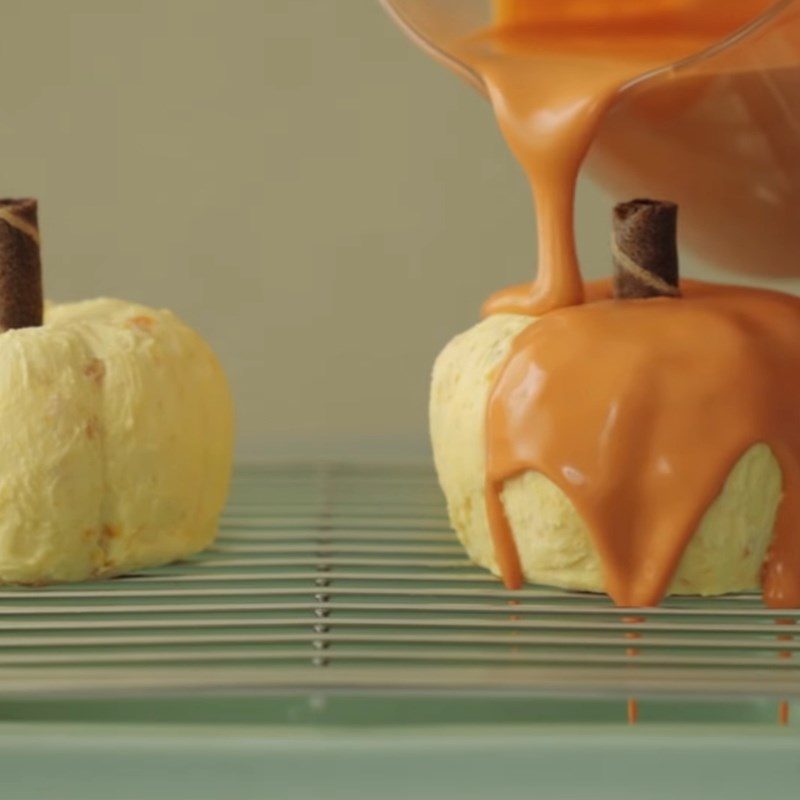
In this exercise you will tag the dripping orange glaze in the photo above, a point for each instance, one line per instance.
(638, 410)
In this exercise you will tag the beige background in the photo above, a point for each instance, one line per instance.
(326, 205)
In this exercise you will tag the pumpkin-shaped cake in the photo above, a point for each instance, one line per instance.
(641, 443)
(117, 428)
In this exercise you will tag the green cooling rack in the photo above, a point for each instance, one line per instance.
(337, 643)
(349, 578)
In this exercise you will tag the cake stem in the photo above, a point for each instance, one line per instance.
(644, 249)
(21, 298)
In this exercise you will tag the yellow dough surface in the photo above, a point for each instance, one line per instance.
(725, 554)
(117, 443)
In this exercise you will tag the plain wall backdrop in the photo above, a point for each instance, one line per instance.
(325, 204)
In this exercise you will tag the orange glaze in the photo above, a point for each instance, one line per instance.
(633, 710)
(784, 711)
(638, 410)
(633, 703)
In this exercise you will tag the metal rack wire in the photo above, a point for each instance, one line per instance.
(349, 577)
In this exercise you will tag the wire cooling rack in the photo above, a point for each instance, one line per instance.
(349, 577)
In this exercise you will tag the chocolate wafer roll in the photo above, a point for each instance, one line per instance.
(21, 300)
(644, 249)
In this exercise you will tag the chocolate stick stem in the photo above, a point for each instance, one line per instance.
(21, 300)
(644, 249)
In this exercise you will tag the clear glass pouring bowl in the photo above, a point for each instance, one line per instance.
(718, 132)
